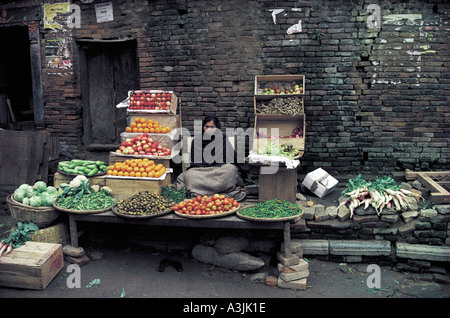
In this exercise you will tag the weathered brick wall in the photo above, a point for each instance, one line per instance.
(376, 98)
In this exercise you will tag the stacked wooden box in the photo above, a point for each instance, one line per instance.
(283, 184)
(127, 186)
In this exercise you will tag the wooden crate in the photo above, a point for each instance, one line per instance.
(166, 120)
(263, 81)
(173, 106)
(122, 189)
(59, 178)
(31, 266)
(284, 124)
(438, 182)
(279, 185)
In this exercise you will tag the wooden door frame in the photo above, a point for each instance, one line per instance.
(89, 43)
(34, 37)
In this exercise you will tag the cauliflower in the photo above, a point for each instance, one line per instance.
(95, 187)
(76, 182)
(106, 190)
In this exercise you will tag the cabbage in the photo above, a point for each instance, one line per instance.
(52, 190)
(19, 195)
(24, 186)
(40, 186)
(26, 201)
(29, 192)
(46, 199)
(35, 201)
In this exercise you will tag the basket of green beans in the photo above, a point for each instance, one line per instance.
(275, 210)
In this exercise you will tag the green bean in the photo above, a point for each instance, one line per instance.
(273, 209)
(93, 201)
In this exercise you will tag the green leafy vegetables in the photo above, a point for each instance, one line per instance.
(18, 237)
(173, 194)
(80, 196)
(273, 209)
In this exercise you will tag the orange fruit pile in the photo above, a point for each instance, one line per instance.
(144, 168)
(142, 125)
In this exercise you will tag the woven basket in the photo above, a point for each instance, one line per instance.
(41, 216)
(56, 234)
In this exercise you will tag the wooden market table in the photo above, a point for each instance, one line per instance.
(226, 222)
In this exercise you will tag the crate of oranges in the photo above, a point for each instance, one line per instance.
(149, 126)
(137, 168)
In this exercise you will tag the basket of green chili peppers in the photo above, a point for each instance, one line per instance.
(271, 211)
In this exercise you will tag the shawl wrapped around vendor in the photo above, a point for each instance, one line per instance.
(214, 166)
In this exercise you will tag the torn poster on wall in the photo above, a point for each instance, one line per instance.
(295, 28)
(57, 53)
(50, 12)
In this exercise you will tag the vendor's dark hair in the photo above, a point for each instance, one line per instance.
(212, 118)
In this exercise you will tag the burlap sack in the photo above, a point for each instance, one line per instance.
(209, 180)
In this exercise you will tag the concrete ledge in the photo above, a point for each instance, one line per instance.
(367, 248)
(314, 247)
(423, 252)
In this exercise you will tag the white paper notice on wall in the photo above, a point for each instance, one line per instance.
(104, 12)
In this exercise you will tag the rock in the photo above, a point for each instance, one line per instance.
(443, 208)
(362, 211)
(272, 281)
(230, 244)
(441, 279)
(406, 186)
(72, 251)
(389, 218)
(332, 212)
(300, 197)
(239, 261)
(343, 213)
(416, 184)
(320, 214)
(258, 277)
(308, 213)
(428, 213)
(259, 246)
(409, 215)
(295, 284)
(95, 256)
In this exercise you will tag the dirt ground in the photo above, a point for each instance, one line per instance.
(131, 271)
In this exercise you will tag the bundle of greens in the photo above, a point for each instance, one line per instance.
(18, 237)
(381, 193)
(79, 195)
(172, 194)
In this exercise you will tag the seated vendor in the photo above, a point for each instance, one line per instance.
(213, 164)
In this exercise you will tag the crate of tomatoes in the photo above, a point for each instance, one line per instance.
(206, 206)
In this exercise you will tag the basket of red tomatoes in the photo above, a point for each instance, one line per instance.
(200, 207)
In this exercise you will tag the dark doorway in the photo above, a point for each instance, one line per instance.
(109, 69)
(15, 76)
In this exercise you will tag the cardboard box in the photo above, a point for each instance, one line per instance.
(319, 182)
(31, 266)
